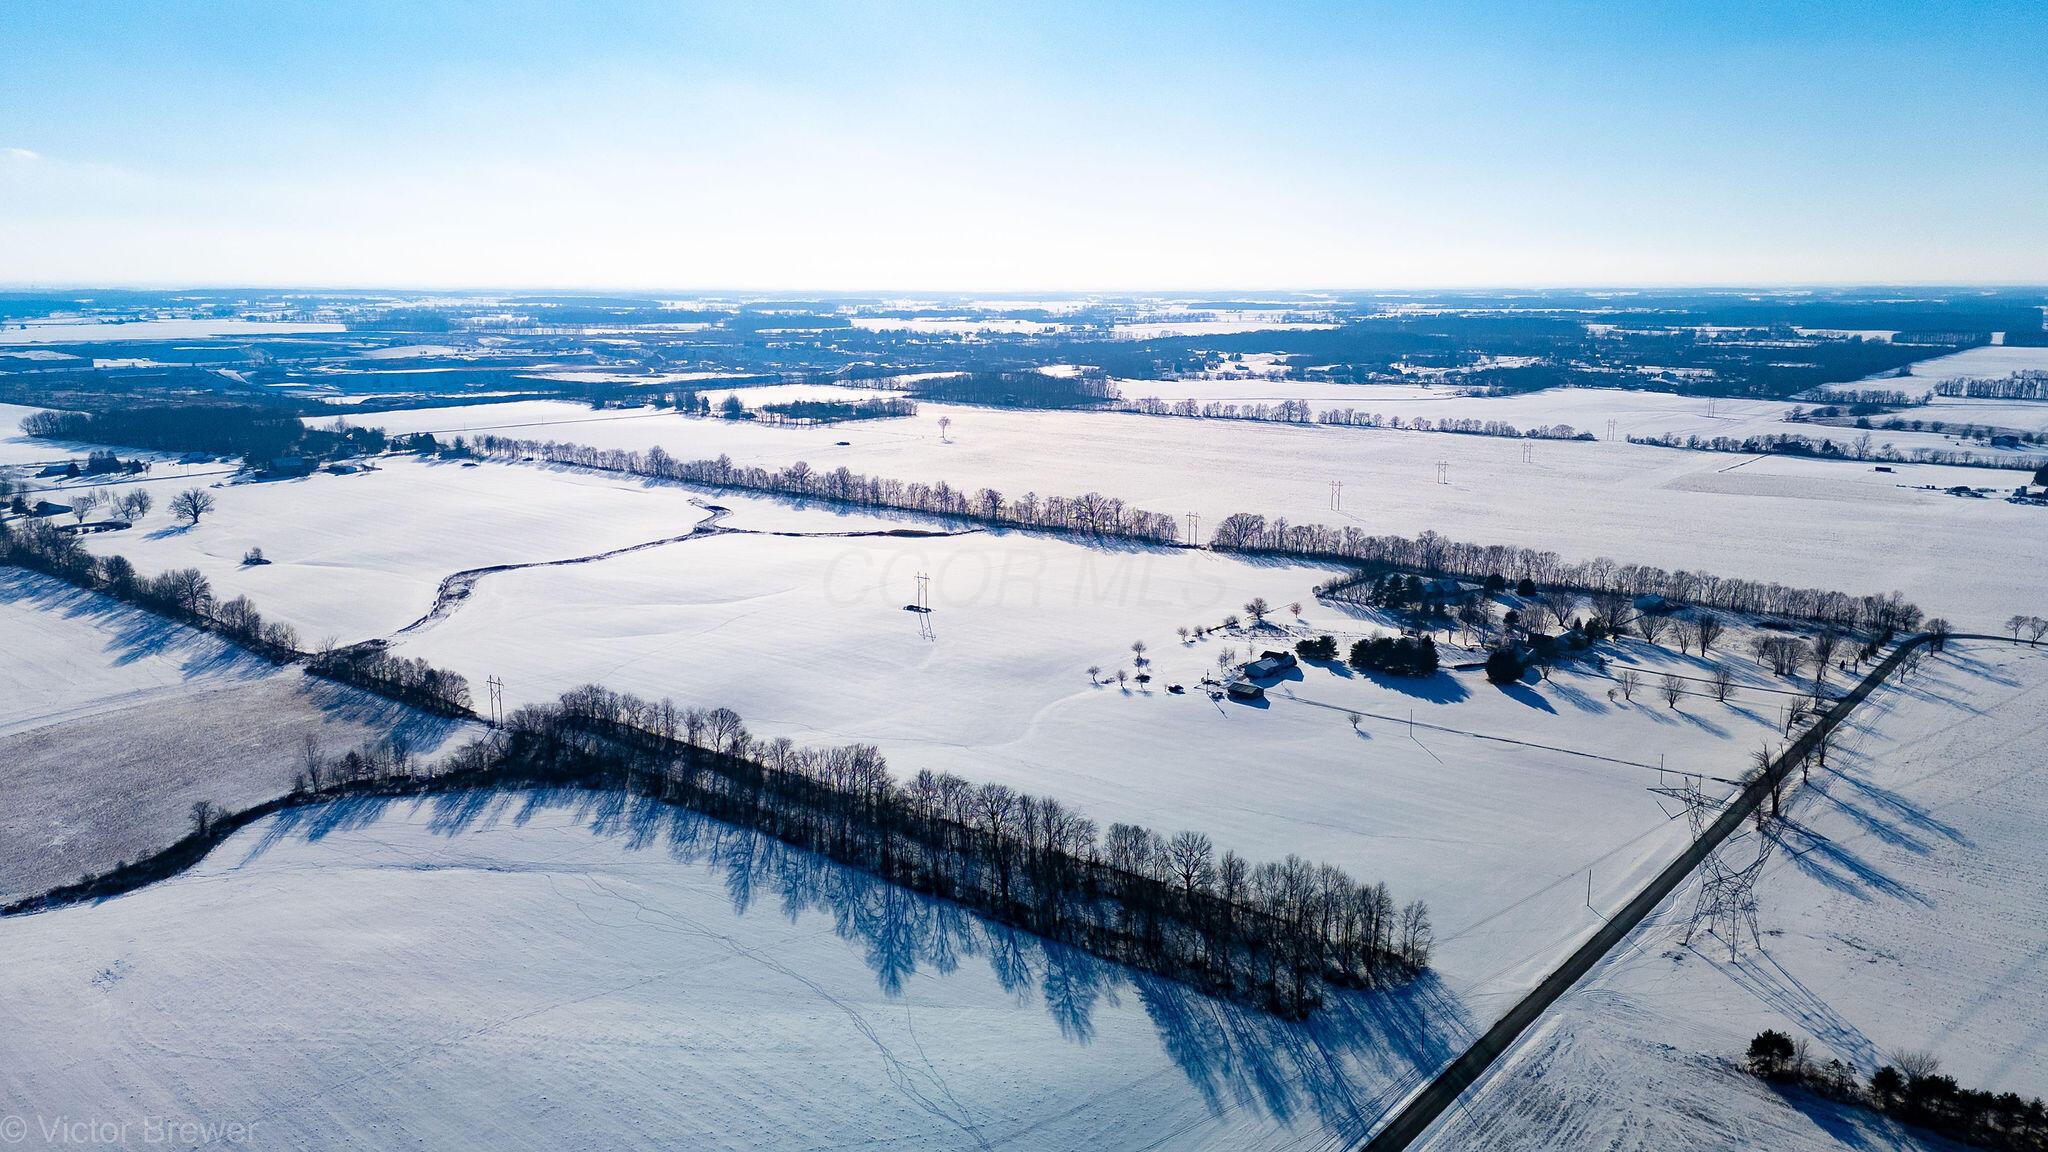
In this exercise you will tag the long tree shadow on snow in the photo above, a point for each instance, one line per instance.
(1345, 1066)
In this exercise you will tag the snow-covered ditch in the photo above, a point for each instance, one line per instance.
(1798, 521)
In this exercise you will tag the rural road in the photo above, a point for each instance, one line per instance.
(1433, 1099)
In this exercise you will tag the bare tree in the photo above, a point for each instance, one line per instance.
(1916, 1064)
(1257, 608)
(1651, 625)
(1724, 684)
(1706, 628)
(1558, 604)
(1192, 858)
(84, 505)
(1095, 673)
(2037, 627)
(1612, 608)
(2015, 623)
(1673, 688)
(1938, 631)
(1630, 680)
(135, 504)
(1295, 608)
(203, 816)
(945, 422)
(1183, 630)
(1823, 649)
(1138, 653)
(192, 503)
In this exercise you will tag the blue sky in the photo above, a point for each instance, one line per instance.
(1027, 146)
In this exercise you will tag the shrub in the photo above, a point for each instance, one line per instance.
(1402, 656)
(1502, 667)
(1320, 648)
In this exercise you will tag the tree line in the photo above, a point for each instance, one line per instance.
(1093, 514)
(1274, 933)
(183, 594)
(187, 596)
(1089, 514)
(1437, 555)
(252, 432)
(2024, 385)
(1300, 412)
(1861, 448)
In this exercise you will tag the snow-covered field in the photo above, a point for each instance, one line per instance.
(351, 557)
(1493, 807)
(1798, 521)
(513, 972)
(16, 448)
(1905, 908)
(59, 330)
(113, 722)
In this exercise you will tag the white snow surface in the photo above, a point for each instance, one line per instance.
(1493, 808)
(490, 971)
(1905, 908)
(1798, 521)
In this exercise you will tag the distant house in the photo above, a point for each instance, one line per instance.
(289, 466)
(46, 508)
(1269, 665)
(1245, 690)
(1654, 604)
(1439, 590)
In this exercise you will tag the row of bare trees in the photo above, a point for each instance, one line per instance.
(1438, 555)
(184, 594)
(1090, 514)
(1273, 933)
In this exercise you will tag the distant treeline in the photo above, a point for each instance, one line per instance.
(1271, 933)
(1090, 514)
(834, 411)
(1094, 514)
(1301, 412)
(254, 433)
(2027, 385)
(1436, 555)
(1018, 390)
(1861, 448)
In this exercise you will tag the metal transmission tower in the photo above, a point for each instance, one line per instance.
(1336, 495)
(1528, 453)
(1194, 530)
(1610, 429)
(1726, 907)
(922, 608)
(1443, 471)
(496, 687)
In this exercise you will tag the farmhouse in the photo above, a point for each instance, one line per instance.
(1269, 665)
(1245, 690)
